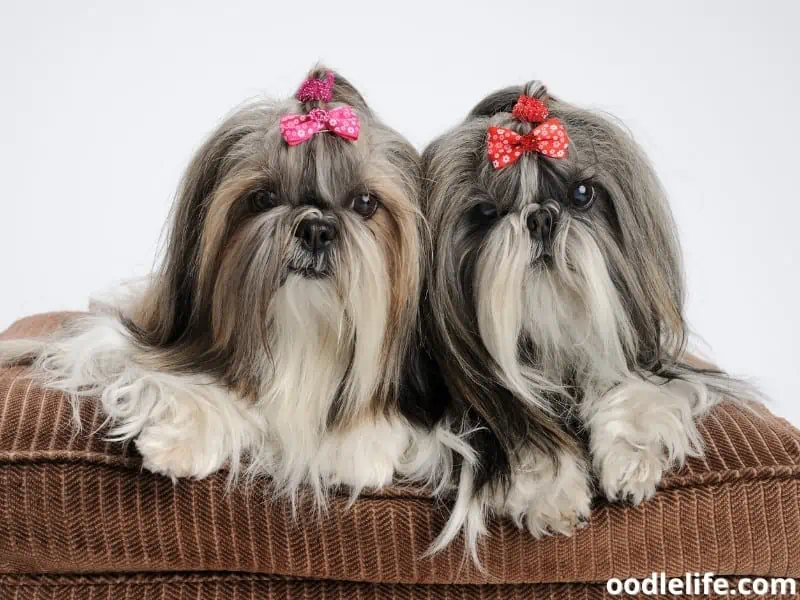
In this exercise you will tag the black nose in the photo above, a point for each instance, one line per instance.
(540, 224)
(315, 234)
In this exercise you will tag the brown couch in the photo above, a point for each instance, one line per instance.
(80, 519)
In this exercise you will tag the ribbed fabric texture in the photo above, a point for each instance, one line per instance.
(73, 507)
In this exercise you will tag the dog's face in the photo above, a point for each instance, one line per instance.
(324, 234)
(549, 269)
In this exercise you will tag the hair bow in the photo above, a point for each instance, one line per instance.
(505, 146)
(341, 121)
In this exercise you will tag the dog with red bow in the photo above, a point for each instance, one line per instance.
(556, 312)
(280, 334)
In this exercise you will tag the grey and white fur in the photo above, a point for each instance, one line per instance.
(279, 335)
(557, 319)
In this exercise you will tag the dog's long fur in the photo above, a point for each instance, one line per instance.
(244, 349)
(569, 368)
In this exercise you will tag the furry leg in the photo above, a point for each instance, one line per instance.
(182, 425)
(541, 497)
(640, 429)
(545, 498)
(193, 430)
(365, 455)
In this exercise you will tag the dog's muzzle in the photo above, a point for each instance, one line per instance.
(315, 240)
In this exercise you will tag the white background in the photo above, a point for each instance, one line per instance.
(102, 104)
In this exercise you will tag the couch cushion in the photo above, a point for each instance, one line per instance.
(75, 504)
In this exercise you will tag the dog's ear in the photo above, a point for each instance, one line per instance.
(170, 313)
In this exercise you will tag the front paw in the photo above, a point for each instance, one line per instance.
(365, 456)
(174, 457)
(551, 501)
(564, 517)
(632, 474)
(638, 431)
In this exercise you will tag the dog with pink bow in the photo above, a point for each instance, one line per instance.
(280, 335)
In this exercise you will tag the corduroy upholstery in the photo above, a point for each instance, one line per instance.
(79, 518)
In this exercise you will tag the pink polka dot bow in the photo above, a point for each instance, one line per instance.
(341, 121)
(505, 146)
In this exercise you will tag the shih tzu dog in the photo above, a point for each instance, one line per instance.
(279, 335)
(556, 314)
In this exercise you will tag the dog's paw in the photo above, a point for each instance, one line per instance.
(638, 431)
(632, 474)
(562, 518)
(172, 462)
(174, 457)
(547, 500)
(365, 456)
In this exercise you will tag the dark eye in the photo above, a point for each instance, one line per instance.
(582, 195)
(485, 212)
(262, 200)
(365, 205)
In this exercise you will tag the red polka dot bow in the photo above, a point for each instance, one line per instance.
(341, 121)
(505, 147)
